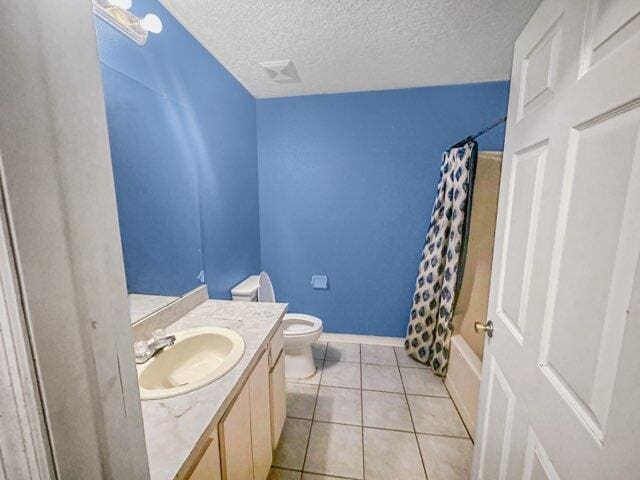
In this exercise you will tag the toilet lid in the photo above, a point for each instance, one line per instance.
(265, 289)
(300, 324)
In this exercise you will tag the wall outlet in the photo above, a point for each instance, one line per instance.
(319, 282)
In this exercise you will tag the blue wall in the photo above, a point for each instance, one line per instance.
(183, 142)
(347, 182)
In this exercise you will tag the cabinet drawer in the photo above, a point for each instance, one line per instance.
(276, 345)
(278, 400)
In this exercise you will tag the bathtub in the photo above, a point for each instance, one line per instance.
(463, 381)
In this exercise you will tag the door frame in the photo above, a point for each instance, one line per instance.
(60, 206)
(24, 442)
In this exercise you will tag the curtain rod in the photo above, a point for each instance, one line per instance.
(481, 132)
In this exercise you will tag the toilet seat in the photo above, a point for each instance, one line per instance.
(300, 324)
(265, 289)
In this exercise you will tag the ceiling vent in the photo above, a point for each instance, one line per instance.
(281, 71)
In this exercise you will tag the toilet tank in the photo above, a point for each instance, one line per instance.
(247, 290)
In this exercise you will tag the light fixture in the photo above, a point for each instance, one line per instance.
(116, 13)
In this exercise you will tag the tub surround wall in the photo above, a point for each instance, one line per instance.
(473, 300)
(183, 127)
(347, 183)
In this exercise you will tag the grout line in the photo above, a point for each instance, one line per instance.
(320, 474)
(415, 435)
(370, 389)
(313, 414)
(336, 360)
(315, 473)
(389, 429)
(458, 412)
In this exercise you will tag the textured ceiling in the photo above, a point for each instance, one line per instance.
(354, 45)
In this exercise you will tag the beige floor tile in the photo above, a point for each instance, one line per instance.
(343, 352)
(377, 354)
(381, 377)
(422, 382)
(405, 360)
(292, 445)
(319, 349)
(446, 458)
(386, 410)
(436, 415)
(335, 450)
(341, 374)
(314, 379)
(390, 455)
(301, 400)
(280, 474)
(339, 405)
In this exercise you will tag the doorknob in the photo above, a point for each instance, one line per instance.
(484, 327)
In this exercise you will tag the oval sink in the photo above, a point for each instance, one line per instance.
(197, 358)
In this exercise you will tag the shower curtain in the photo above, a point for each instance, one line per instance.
(441, 267)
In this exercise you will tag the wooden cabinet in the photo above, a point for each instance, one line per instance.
(208, 467)
(278, 400)
(261, 418)
(236, 454)
(242, 448)
(276, 345)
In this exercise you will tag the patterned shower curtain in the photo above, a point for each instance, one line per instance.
(440, 270)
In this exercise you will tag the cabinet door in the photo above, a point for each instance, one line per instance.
(235, 439)
(260, 418)
(278, 400)
(208, 467)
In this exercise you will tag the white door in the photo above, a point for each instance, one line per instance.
(560, 396)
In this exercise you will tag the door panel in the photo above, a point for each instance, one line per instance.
(602, 228)
(539, 69)
(497, 426)
(565, 284)
(610, 23)
(525, 187)
(537, 465)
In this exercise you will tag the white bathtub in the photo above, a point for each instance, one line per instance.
(463, 380)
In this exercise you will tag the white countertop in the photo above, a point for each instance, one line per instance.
(173, 426)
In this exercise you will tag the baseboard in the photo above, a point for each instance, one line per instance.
(467, 417)
(367, 339)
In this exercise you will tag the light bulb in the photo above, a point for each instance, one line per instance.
(151, 23)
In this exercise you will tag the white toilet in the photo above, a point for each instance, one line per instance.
(300, 330)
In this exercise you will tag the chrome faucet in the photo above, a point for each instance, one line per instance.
(146, 349)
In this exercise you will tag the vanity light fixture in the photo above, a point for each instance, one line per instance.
(116, 13)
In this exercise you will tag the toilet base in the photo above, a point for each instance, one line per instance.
(298, 362)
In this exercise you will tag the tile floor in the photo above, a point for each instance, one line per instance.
(370, 412)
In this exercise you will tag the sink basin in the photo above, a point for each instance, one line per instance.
(197, 358)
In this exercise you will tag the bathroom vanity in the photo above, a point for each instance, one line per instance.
(228, 428)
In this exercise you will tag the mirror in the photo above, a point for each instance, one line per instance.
(156, 182)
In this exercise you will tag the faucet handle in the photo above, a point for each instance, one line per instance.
(141, 348)
(158, 334)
